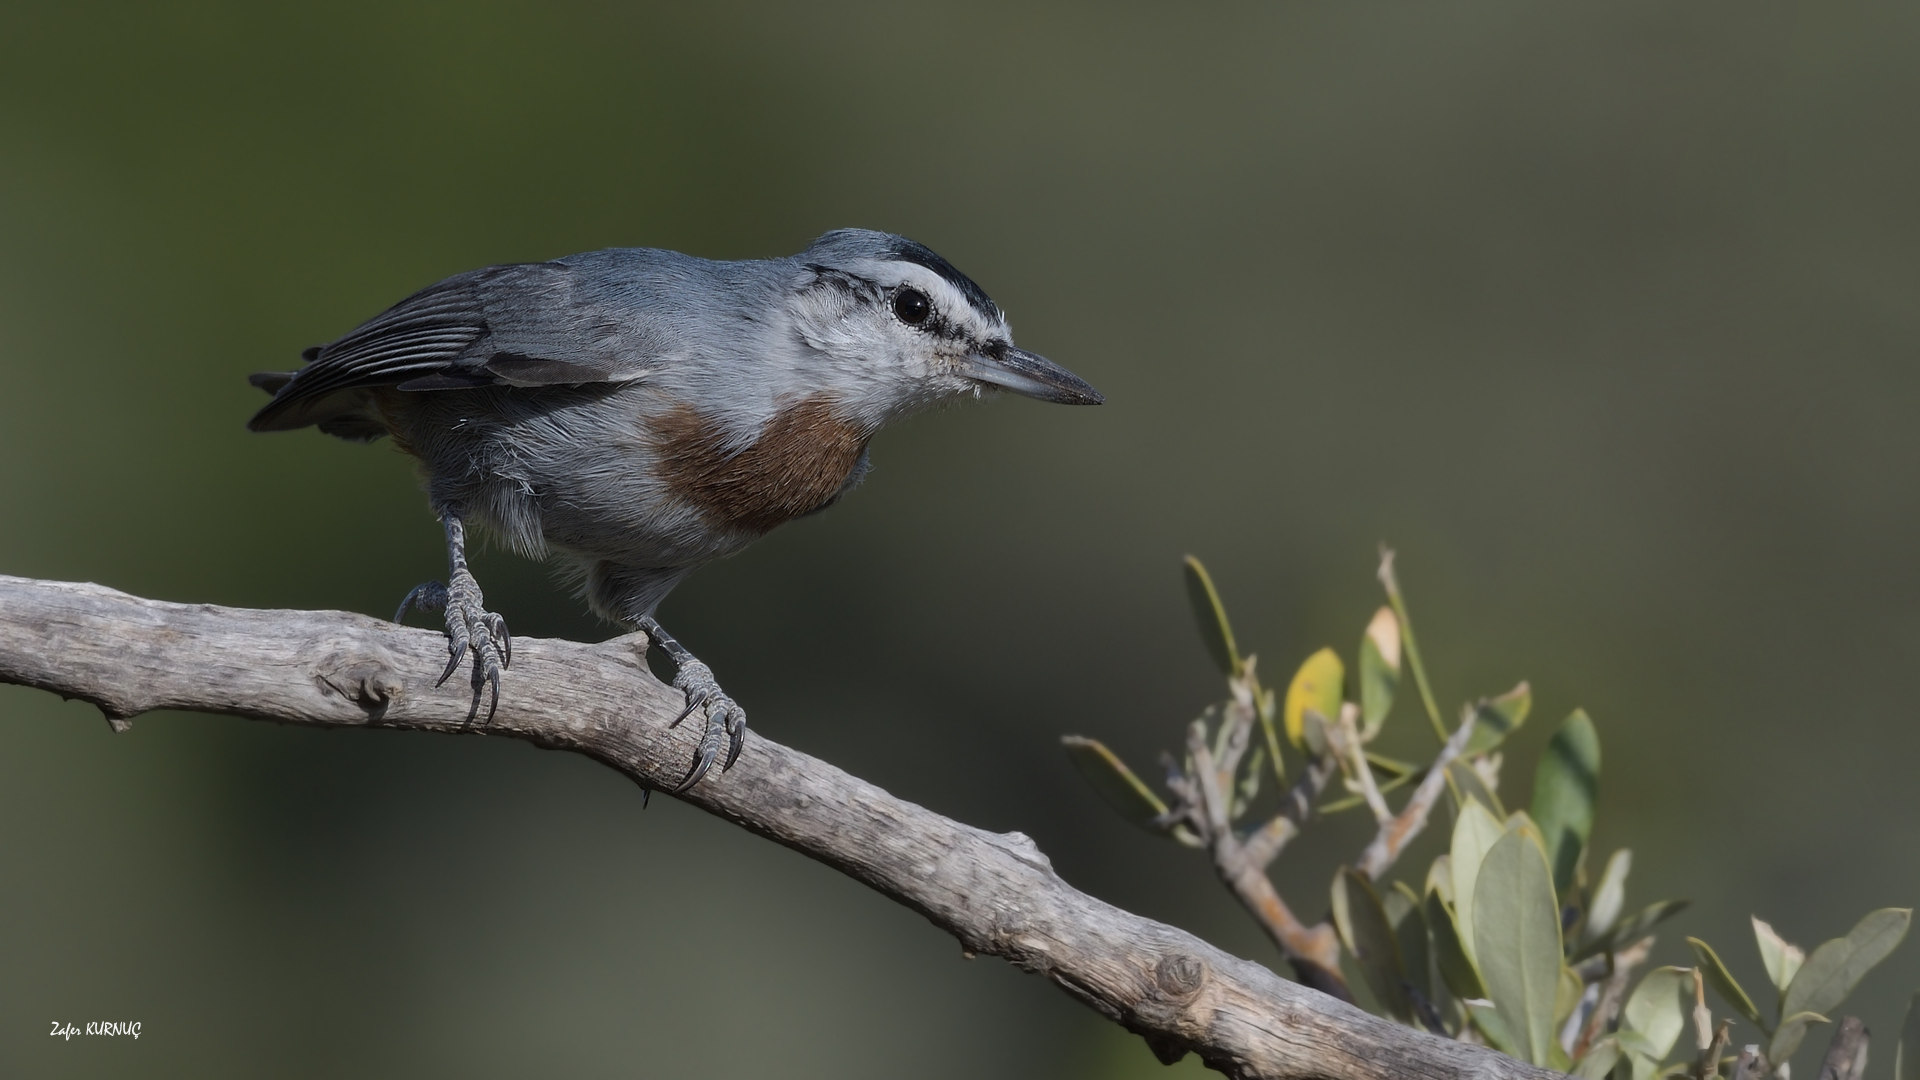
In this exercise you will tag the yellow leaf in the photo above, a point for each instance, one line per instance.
(1315, 686)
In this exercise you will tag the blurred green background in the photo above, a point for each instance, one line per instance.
(1604, 315)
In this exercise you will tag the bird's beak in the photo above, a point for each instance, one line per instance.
(1030, 375)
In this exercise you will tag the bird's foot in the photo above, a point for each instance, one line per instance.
(726, 720)
(470, 628)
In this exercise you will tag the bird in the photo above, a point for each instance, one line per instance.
(637, 413)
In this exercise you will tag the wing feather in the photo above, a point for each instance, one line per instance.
(442, 338)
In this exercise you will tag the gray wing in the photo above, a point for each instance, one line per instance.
(533, 324)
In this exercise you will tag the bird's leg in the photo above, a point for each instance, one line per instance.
(470, 626)
(726, 720)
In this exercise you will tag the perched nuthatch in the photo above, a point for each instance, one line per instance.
(641, 412)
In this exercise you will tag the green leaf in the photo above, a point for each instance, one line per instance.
(1792, 1031)
(1640, 1066)
(1516, 935)
(1116, 784)
(1906, 1054)
(1397, 901)
(1564, 789)
(1726, 985)
(1474, 834)
(1408, 916)
(1440, 876)
(1211, 616)
(1835, 968)
(1655, 1012)
(1316, 687)
(1610, 896)
(1449, 955)
(1379, 671)
(1394, 767)
(1368, 935)
(1399, 774)
(1487, 1018)
(1783, 960)
(1495, 718)
(1314, 734)
(1466, 786)
(1568, 996)
(1631, 930)
(1599, 1059)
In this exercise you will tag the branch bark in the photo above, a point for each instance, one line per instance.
(996, 893)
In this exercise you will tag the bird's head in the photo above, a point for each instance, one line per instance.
(897, 329)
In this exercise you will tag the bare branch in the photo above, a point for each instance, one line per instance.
(1314, 951)
(1394, 836)
(996, 893)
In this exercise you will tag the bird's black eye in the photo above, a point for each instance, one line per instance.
(912, 306)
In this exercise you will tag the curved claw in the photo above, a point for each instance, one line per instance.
(701, 763)
(490, 679)
(473, 632)
(737, 732)
(459, 650)
(493, 676)
(427, 596)
(695, 699)
(726, 721)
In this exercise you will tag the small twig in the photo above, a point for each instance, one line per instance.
(1847, 1054)
(1238, 717)
(1613, 992)
(1265, 707)
(1264, 844)
(1602, 964)
(1708, 1067)
(1213, 801)
(1392, 785)
(1346, 738)
(1392, 585)
(1396, 834)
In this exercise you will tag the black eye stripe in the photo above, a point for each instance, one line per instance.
(911, 306)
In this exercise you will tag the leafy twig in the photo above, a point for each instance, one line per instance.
(1392, 584)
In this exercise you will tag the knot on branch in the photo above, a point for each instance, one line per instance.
(1176, 982)
(1179, 977)
(367, 682)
